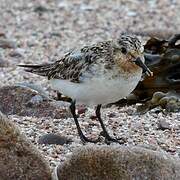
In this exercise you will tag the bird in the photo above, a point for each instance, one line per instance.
(96, 75)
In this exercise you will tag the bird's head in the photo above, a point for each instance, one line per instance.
(129, 54)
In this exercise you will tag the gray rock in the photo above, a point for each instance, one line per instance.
(19, 159)
(3, 62)
(5, 43)
(163, 125)
(35, 100)
(40, 9)
(18, 53)
(53, 139)
(118, 162)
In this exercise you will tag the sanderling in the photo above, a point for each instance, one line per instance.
(97, 74)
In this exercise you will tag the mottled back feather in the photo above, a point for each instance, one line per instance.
(74, 63)
(101, 57)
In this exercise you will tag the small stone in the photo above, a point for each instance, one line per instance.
(81, 110)
(163, 125)
(5, 43)
(40, 9)
(132, 13)
(17, 53)
(3, 63)
(173, 106)
(54, 139)
(146, 127)
(2, 34)
(32, 43)
(111, 114)
(37, 99)
(63, 4)
(56, 34)
(136, 126)
(171, 150)
(93, 117)
(85, 7)
(156, 110)
(176, 127)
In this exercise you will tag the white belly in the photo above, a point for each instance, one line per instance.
(99, 90)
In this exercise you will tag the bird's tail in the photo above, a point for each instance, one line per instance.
(42, 69)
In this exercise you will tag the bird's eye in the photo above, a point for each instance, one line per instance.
(123, 50)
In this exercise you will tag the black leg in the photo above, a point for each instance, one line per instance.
(108, 138)
(81, 135)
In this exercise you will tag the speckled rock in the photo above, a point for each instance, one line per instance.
(118, 162)
(27, 102)
(19, 159)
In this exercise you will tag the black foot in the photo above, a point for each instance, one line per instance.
(109, 139)
(84, 139)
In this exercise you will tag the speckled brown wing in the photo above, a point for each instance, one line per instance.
(69, 67)
(73, 64)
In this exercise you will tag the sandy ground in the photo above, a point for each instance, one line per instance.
(42, 31)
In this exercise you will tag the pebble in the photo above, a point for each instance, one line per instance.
(93, 117)
(17, 53)
(81, 110)
(146, 127)
(53, 139)
(112, 114)
(3, 62)
(32, 43)
(136, 126)
(163, 125)
(40, 9)
(2, 34)
(132, 13)
(37, 99)
(5, 43)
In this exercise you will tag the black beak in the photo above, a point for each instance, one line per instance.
(139, 63)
